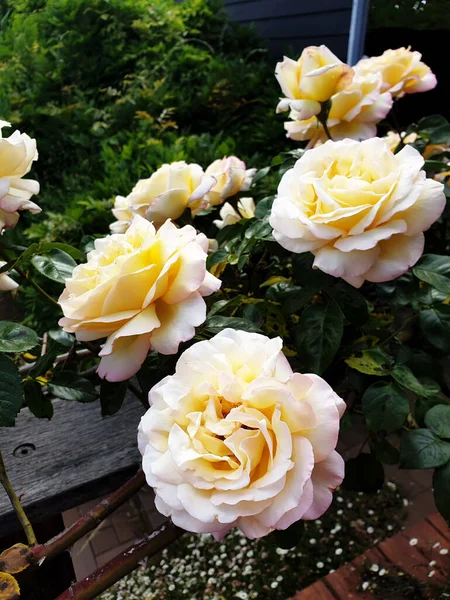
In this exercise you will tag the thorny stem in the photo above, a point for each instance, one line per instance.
(124, 563)
(322, 117)
(83, 353)
(90, 520)
(26, 525)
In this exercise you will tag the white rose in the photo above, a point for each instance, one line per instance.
(360, 209)
(229, 216)
(231, 176)
(17, 153)
(236, 439)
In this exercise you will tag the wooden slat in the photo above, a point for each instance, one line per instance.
(317, 27)
(406, 557)
(77, 456)
(439, 524)
(427, 537)
(346, 581)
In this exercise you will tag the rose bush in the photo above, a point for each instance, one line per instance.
(360, 209)
(142, 289)
(236, 439)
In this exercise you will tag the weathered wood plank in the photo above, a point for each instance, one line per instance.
(294, 26)
(245, 10)
(73, 458)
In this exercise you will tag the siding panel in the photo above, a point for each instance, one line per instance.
(295, 24)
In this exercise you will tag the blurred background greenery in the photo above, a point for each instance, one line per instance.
(111, 89)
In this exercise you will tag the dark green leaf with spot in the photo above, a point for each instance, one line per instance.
(435, 324)
(438, 420)
(16, 338)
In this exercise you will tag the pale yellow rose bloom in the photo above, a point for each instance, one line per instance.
(229, 216)
(312, 79)
(231, 176)
(141, 290)
(6, 283)
(402, 71)
(234, 438)
(360, 209)
(393, 139)
(354, 113)
(17, 153)
(165, 195)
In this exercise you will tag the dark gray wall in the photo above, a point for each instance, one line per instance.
(296, 23)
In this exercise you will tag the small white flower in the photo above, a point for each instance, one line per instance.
(338, 551)
(370, 530)
(431, 563)
(282, 551)
(370, 512)
(413, 541)
(280, 578)
(171, 587)
(320, 565)
(382, 572)
(375, 568)
(443, 551)
(340, 499)
(242, 595)
(365, 585)
(274, 584)
(211, 571)
(431, 573)
(436, 545)
(340, 512)
(331, 571)
(250, 553)
(312, 541)
(405, 502)
(350, 505)
(391, 485)
(390, 527)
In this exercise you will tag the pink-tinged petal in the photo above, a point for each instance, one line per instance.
(252, 528)
(206, 185)
(178, 323)
(20, 193)
(297, 513)
(326, 477)
(397, 255)
(4, 187)
(369, 239)
(144, 322)
(345, 264)
(126, 359)
(8, 220)
(427, 209)
(428, 82)
(354, 281)
(7, 284)
(283, 105)
(305, 108)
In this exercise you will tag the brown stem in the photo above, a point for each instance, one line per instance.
(90, 520)
(26, 525)
(124, 563)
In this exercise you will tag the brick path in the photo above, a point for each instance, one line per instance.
(421, 551)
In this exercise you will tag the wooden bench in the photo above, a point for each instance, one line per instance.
(77, 456)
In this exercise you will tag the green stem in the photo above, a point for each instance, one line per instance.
(397, 331)
(325, 128)
(36, 286)
(26, 525)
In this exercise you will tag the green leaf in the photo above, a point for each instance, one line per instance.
(70, 250)
(371, 362)
(435, 270)
(21, 258)
(259, 230)
(16, 338)
(62, 337)
(385, 406)
(260, 174)
(112, 395)
(216, 324)
(217, 257)
(352, 302)
(57, 265)
(441, 490)
(41, 406)
(438, 420)
(45, 362)
(11, 396)
(405, 377)
(306, 275)
(434, 166)
(264, 207)
(435, 324)
(423, 405)
(385, 452)
(318, 335)
(435, 128)
(71, 386)
(422, 449)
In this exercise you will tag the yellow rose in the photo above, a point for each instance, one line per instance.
(141, 290)
(231, 176)
(316, 76)
(164, 195)
(402, 71)
(360, 209)
(229, 216)
(354, 113)
(236, 439)
(17, 153)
